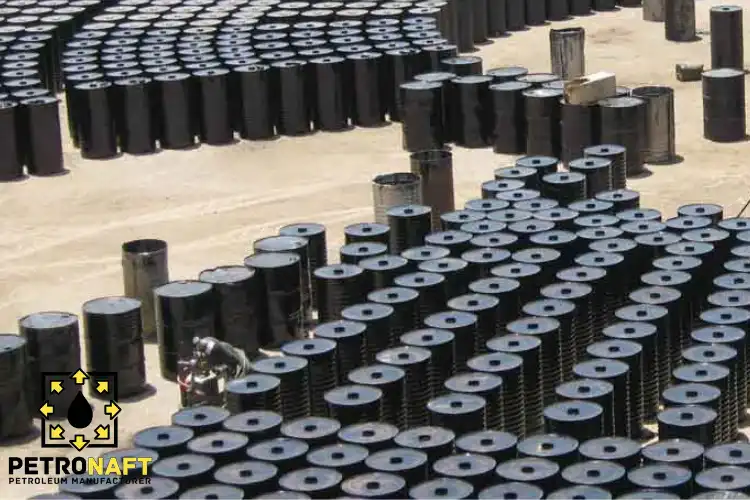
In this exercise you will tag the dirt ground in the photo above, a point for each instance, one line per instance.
(62, 236)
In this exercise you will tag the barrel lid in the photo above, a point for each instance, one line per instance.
(543, 92)
(604, 149)
(280, 243)
(727, 8)
(183, 288)
(270, 260)
(508, 71)
(327, 60)
(510, 86)
(114, 305)
(723, 73)
(48, 319)
(564, 178)
(289, 63)
(38, 100)
(472, 79)
(436, 76)
(11, 342)
(539, 78)
(226, 274)
(365, 55)
(251, 68)
(620, 102)
(589, 163)
(462, 60)
(422, 85)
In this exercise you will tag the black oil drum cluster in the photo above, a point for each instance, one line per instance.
(139, 76)
(515, 111)
(538, 362)
(32, 39)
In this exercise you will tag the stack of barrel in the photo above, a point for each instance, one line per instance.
(138, 82)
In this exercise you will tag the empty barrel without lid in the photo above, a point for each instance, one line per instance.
(144, 268)
(659, 144)
(435, 170)
(567, 52)
(679, 20)
(390, 190)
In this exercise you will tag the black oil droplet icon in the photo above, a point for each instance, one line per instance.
(80, 413)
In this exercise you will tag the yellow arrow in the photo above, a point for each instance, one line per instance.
(56, 432)
(102, 386)
(56, 386)
(46, 410)
(79, 443)
(112, 410)
(102, 432)
(79, 376)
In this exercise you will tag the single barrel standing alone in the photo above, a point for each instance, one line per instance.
(144, 268)
(567, 52)
(727, 49)
(659, 143)
(724, 105)
(392, 190)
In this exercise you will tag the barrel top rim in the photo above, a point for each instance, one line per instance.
(723, 73)
(48, 319)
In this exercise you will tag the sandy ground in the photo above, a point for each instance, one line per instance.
(62, 236)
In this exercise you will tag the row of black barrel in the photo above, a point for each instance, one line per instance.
(257, 454)
(124, 98)
(518, 112)
(32, 36)
(48, 347)
(173, 95)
